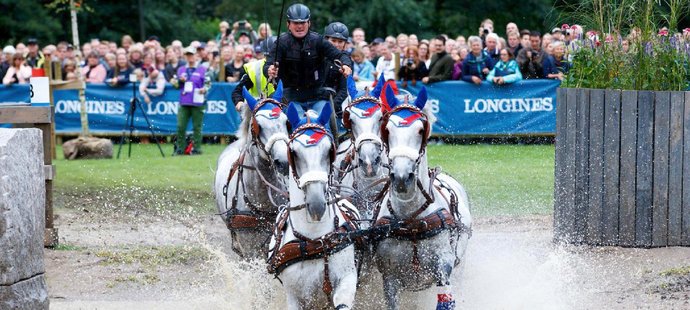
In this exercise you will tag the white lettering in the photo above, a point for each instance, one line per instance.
(508, 105)
(468, 108)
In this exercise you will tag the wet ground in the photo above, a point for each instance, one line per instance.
(176, 260)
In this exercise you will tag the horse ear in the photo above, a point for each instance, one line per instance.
(351, 87)
(325, 115)
(390, 97)
(293, 115)
(251, 101)
(278, 94)
(421, 98)
(376, 92)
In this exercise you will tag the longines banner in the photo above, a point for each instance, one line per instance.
(527, 107)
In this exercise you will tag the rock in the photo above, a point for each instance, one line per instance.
(22, 218)
(88, 148)
(27, 294)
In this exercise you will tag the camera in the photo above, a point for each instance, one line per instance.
(242, 24)
(568, 32)
(486, 31)
(410, 62)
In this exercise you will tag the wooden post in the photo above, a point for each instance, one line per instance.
(594, 204)
(612, 135)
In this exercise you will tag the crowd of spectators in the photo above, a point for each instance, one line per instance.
(484, 57)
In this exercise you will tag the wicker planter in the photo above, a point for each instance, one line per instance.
(622, 168)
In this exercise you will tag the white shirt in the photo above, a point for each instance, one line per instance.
(387, 67)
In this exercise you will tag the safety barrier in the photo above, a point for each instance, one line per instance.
(462, 109)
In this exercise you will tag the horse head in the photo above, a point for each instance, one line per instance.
(362, 117)
(311, 155)
(404, 131)
(269, 128)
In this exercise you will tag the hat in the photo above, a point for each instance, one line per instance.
(378, 41)
(31, 41)
(9, 50)
(153, 38)
(257, 49)
(244, 33)
(554, 30)
(190, 50)
(70, 46)
(202, 45)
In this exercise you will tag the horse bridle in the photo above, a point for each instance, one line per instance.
(309, 177)
(347, 123)
(398, 151)
(256, 130)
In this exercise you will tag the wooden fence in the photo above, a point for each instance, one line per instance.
(622, 168)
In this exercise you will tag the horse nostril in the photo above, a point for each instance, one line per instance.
(391, 175)
(410, 176)
(276, 163)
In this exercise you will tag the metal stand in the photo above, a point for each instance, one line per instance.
(133, 104)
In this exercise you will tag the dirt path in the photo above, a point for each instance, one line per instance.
(130, 260)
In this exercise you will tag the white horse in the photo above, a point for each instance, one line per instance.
(311, 251)
(360, 164)
(250, 179)
(426, 217)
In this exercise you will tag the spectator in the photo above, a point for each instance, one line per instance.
(358, 36)
(462, 52)
(556, 66)
(385, 64)
(478, 63)
(391, 43)
(234, 70)
(224, 37)
(376, 51)
(34, 58)
(412, 40)
(69, 70)
(69, 53)
(244, 27)
(512, 27)
(401, 42)
(557, 34)
(136, 57)
(103, 49)
(248, 53)
(62, 51)
(18, 72)
(363, 69)
(177, 47)
(202, 55)
(112, 47)
(193, 88)
(152, 86)
(159, 59)
(524, 39)
(492, 48)
(486, 27)
(20, 48)
(460, 41)
(119, 76)
(514, 43)
(413, 68)
(111, 61)
(441, 67)
(148, 64)
(172, 63)
(264, 33)
(367, 52)
(423, 52)
(506, 70)
(450, 45)
(7, 52)
(530, 59)
(546, 40)
(94, 71)
(126, 42)
(547, 49)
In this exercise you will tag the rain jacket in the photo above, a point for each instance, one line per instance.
(510, 72)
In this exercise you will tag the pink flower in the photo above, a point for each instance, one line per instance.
(686, 31)
(565, 26)
(608, 39)
(574, 27)
(597, 43)
(663, 32)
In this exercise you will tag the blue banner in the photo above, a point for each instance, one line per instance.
(15, 94)
(526, 107)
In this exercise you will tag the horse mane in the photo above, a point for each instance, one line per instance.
(244, 128)
(430, 116)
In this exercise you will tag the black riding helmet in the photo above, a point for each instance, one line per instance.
(298, 13)
(266, 44)
(336, 30)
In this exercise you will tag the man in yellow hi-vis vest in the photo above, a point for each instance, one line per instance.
(254, 80)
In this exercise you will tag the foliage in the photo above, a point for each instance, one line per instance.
(657, 58)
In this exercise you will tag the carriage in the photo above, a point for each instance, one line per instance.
(336, 215)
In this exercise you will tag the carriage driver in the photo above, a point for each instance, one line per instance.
(298, 60)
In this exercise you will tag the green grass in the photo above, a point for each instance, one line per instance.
(500, 179)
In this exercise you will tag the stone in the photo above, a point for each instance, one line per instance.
(22, 216)
(27, 294)
(88, 148)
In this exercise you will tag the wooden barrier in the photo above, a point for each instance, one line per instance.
(622, 172)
